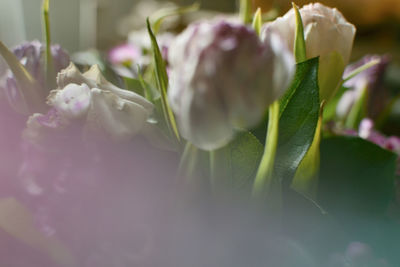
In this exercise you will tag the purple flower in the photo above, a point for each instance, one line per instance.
(223, 78)
(371, 80)
(32, 56)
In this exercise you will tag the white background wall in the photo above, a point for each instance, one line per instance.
(73, 22)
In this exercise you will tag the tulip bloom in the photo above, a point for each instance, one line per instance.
(32, 56)
(94, 103)
(327, 35)
(223, 78)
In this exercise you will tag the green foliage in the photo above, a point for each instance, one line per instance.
(264, 178)
(162, 83)
(133, 85)
(235, 165)
(357, 177)
(169, 12)
(50, 73)
(299, 43)
(299, 114)
(245, 11)
(330, 107)
(305, 180)
(257, 21)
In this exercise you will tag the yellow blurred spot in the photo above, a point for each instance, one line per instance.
(17, 221)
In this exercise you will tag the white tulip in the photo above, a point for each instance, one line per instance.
(327, 34)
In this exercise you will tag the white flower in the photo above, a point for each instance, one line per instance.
(223, 78)
(327, 35)
(91, 101)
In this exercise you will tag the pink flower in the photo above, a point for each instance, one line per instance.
(124, 54)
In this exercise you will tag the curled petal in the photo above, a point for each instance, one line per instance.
(118, 118)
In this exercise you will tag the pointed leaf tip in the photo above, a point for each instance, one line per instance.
(257, 21)
(299, 43)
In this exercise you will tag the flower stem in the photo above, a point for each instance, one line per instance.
(187, 163)
(361, 69)
(213, 170)
(245, 11)
(264, 175)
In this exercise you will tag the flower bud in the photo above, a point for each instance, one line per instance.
(32, 57)
(327, 35)
(223, 78)
(371, 80)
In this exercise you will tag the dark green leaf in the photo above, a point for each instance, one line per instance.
(236, 164)
(298, 120)
(357, 177)
(162, 83)
(133, 85)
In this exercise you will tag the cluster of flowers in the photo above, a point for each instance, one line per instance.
(86, 142)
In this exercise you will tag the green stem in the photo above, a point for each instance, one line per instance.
(50, 74)
(358, 111)
(361, 69)
(187, 163)
(245, 11)
(213, 170)
(264, 175)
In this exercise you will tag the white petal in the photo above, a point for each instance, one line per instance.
(113, 116)
(72, 101)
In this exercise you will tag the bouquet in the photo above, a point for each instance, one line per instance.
(241, 140)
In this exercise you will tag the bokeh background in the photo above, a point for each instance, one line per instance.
(82, 24)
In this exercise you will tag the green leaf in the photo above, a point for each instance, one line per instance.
(357, 177)
(235, 165)
(299, 43)
(361, 69)
(264, 177)
(331, 106)
(133, 85)
(169, 12)
(330, 74)
(305, 180)
(257, 21)
(358, 111)
(298, 120)
(150, 92)
(162, 83)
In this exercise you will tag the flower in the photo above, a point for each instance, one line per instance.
(127, 59)
(327, 35)
(91, 103)
(222, 78)
(371, 80)
(32, 56)
(124, 54)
